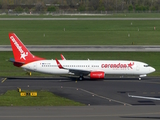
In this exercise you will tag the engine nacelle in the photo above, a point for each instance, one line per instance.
(142, 75)
(97, 75)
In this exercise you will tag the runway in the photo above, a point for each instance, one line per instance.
(103, 98)
(81, 113)
(109, 48)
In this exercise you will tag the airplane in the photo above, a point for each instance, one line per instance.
(96, 69)
(143, 97)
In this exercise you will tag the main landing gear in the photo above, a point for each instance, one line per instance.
(81, 77)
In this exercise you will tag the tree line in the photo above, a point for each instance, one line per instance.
(80, 5)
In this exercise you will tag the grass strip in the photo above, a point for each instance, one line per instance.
(44, 98)
(82, 32)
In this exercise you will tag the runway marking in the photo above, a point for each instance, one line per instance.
(3, 80)
(106, 98)
(109, 99)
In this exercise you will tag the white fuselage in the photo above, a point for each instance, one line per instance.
(120, 67)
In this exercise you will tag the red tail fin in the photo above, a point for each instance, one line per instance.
(20, 52)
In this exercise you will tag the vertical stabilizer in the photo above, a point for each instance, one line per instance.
(20, 52)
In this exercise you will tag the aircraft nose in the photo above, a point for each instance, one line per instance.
(152, 69)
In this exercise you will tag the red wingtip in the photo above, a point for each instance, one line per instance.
(58, 63)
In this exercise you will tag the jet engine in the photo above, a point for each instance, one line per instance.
(97, 75)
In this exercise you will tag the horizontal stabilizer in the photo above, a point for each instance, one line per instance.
(16, 63)
(13, 60)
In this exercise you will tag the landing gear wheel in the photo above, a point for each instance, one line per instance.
(139, 79)
(81, 78)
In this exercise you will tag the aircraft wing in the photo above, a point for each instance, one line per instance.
(75, 71)
(79, 71)
(143, 97)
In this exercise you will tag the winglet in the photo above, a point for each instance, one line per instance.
(59, 64)
(63, 58)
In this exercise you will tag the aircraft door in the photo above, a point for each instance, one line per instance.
(35, 66)
(137, 67)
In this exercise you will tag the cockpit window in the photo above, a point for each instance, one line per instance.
(146, 65)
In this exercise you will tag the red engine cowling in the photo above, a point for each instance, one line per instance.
(97, 75)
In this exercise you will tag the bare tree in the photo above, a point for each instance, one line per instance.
(39, 6)
(94, 4)
(4, 4)
(111, 5)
